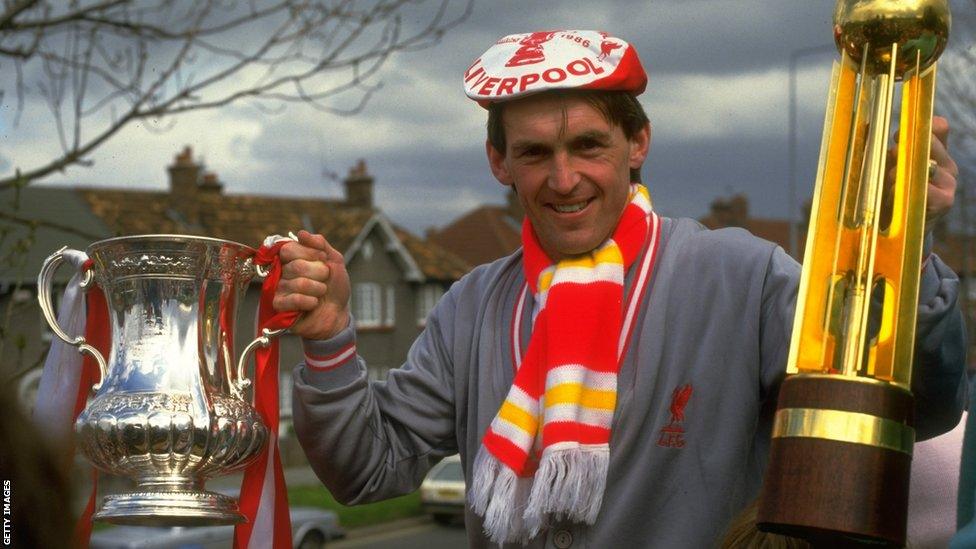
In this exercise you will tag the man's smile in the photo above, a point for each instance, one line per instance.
(571, 207)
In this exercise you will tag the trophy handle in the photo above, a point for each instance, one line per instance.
(45, 283)
(261, 341)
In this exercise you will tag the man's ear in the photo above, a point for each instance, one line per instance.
(499, 168)
(640, 143)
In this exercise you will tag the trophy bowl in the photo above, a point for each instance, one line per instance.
(172, 408)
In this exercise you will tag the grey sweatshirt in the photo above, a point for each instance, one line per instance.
(716, 317)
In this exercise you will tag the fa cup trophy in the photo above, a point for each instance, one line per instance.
(843, 436)
(172, 407)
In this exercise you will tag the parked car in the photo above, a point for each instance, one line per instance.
(311, 528)
(442, 491)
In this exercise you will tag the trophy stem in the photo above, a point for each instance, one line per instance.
(840, 459)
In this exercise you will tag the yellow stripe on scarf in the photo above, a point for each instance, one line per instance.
(576, 393)
(608, 253)
(518, 417)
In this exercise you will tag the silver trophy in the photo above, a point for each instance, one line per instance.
(172, 407)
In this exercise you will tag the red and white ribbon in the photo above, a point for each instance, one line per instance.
(68, 376)
(264, 496)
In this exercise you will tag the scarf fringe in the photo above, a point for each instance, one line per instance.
(499, 496)
(568, 485)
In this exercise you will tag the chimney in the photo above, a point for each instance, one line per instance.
(211, 185)
(731, 212)
(184, 177)
(359, 186)
(739, 206)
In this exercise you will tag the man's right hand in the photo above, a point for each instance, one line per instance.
(314, 281)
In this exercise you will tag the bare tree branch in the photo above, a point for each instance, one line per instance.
(101, 65)
(35, 223)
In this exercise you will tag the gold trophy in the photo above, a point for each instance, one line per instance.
(843, 433)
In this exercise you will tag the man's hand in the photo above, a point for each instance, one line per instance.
(314, 281)
(942, 181)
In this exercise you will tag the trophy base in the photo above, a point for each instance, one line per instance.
(838, 493)
(170, 508)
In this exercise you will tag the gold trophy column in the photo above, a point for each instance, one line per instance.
(842, 437)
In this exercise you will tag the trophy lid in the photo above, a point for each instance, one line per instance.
(920, 29)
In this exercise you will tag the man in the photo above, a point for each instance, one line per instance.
(608, 385)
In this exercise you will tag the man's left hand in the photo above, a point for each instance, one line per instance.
(942, 176)
(942, 179)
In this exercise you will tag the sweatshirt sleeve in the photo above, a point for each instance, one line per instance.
(366, 440)
(938, 373)
(778, 305)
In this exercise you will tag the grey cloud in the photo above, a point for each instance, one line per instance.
(431, 165)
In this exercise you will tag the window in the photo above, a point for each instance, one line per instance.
(426, 299)
(389, 313)
(366, 302)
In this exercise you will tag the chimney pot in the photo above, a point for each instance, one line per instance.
(359, 186)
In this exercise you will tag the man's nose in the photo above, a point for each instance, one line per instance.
(563, 178)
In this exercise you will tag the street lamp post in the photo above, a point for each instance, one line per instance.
(795, 56)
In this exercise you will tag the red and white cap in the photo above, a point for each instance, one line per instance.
(522, 64)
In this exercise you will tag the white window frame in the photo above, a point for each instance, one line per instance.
(427, 298)
(389, 312)
(367, 304)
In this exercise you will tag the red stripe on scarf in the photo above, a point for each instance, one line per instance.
(562, 431)
(266, 404)
(505, 450)
(99, 336)
(582, 306)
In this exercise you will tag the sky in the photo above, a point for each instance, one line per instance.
(717, 98)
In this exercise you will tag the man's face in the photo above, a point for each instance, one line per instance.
(570, 168)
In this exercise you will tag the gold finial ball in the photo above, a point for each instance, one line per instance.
(870, 27)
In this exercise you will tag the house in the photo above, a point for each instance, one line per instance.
(397, 277)
(484, 234)
(734, 212)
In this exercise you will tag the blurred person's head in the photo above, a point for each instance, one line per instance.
(742, 533)
(34, 484)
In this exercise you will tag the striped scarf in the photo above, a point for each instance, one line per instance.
(545, 455)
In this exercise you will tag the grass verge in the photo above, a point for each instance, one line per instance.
(358, 515)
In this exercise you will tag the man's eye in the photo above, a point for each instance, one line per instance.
(588, 144)
(532, 152)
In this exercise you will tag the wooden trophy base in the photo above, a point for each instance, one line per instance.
(831, 492)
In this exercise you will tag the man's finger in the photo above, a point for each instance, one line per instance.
(940, 154)
(319, 242)
(303, 286)
(292, 251)
(940, 129)
(294, 302)
(303, 268)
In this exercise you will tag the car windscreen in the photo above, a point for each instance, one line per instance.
(450, 471)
